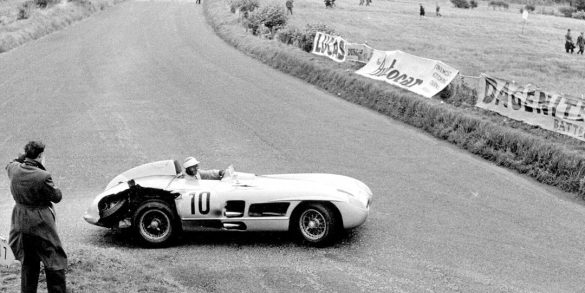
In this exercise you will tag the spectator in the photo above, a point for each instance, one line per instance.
(368, 2)
(361, 2)
(33, 234)
(581, 43)
(422, 11)
(438, 9)
(327, 3)
(289, 6)
(569, 45)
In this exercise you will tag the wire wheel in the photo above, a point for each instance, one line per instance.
(155, 225)
(313, 225)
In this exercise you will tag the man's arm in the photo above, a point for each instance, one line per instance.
(211, 174)
(54, 194)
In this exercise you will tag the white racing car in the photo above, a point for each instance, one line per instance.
(157, 202)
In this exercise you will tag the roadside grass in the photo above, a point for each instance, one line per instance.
(96, 269)
(548, 157)
(471, 40)
(14, 33)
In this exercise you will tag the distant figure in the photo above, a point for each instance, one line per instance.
(569, 45)
(361, 2)
(368, 2)
(438, 9)
(289, 6)
(198, 1)
(422, 11)
(581, 43)
(328, 4)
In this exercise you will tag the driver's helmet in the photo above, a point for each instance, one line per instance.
(189, 162)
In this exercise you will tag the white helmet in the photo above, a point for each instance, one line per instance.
(189, 162)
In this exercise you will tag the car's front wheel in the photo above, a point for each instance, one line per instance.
(155, 224)
(316, 224)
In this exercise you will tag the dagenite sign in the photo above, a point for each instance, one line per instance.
(559, 113)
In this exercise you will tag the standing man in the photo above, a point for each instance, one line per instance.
(421, 10)
(33, 234)
(289, 6)
(569, 45)
(581, 43)
(198, 1)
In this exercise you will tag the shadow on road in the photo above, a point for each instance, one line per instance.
(125, 238)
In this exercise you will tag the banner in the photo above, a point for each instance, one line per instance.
(6, 256)
(559, 113)
(359, 52)
(423, 76)
(329, 46)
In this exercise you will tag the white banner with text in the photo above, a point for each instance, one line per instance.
(359, 52)
(559, 113)
(329, 46)
(423, 76)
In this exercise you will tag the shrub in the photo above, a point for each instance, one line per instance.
(500, 4)
(306, 42)
(271, 16)
(243, 5)
(460, 3)
(25, 9)
(567, 11)
(530, 7)
(579, 14)
(290, 35)
(473, 3)
(579, 4)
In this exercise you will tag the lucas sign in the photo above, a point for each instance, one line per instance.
(423, 76)
(559, 113)
(329, 46)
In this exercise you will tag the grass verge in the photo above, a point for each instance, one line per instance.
(92, 269)
(547, 157)
(45, 21)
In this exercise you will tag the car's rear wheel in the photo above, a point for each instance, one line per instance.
(316, 224)
(155, 224)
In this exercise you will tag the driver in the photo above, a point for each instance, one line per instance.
(191, 166)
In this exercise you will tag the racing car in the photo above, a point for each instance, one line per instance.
(157, 201)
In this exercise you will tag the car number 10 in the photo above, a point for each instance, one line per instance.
(201, 197)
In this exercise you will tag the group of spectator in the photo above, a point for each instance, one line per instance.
(570, 45)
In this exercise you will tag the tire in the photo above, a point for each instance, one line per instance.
(155, 224)
(316, 224)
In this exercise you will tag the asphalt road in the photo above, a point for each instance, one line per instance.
(147, 81)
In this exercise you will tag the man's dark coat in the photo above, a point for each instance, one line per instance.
(33, 191)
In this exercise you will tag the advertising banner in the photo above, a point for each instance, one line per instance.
(359, 52)
(329, 46)
(423, 76)
(6, 256)
(559, 113)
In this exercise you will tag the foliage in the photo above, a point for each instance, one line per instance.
(530, 7)
(272, 16)
(579, 14)
(25, 9)
(499, 3)
(579, 4)
(244, 6)
(460, 3)
(473, 3)
(303, 38)
(567, 11)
